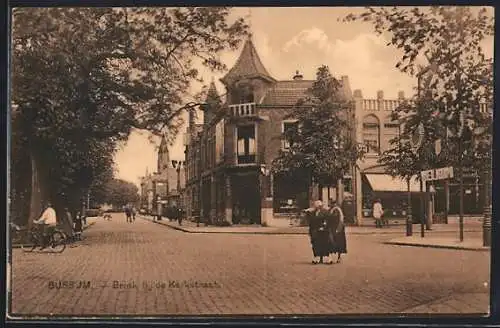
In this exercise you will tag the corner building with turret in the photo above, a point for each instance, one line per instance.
(229, 156)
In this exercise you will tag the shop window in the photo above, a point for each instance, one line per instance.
(246, 146)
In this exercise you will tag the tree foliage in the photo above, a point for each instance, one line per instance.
(455, 81)
(321, 145)
(120, 193)
(83, 78)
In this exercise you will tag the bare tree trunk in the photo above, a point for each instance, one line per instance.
(37, 195)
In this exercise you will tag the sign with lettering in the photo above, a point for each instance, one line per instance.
(427, 175)
(437, 174)
(444, 173)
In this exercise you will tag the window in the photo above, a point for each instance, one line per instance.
(244, 93)
(245, 146)
(287, 128)
(391, 131)
(371, 134)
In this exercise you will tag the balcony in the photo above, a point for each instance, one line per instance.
(243, 110)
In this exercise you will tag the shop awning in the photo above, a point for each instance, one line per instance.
(384, 182)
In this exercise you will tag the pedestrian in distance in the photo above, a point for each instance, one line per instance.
(128, 214)
(158, 211)
(320, 226)
(78, 226)
(134, 212)
(339, 243)
(180, 215)
(378, 212)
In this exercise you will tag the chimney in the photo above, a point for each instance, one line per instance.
(401, 95)
(380, 95)
(298, 76)
(358, 93)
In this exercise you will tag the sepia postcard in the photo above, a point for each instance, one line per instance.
(228, 161)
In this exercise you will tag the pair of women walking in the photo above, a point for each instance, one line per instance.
(327, 232)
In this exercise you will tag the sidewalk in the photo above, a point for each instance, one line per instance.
(190, 227)
(470, 303)
(472, 244)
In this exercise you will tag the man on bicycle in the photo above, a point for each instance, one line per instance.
(48, 223)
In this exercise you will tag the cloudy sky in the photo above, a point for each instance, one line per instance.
(290, 39)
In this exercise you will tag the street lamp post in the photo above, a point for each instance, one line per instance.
(409, 218)
(177, 166)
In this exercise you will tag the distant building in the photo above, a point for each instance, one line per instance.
(164, 182)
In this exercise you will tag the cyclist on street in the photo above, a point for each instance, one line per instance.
(48, 223)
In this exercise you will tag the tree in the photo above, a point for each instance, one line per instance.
(321, 146)
(461, 79)
(83, 78)
(120, 193)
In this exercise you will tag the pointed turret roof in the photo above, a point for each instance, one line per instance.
(247, 65)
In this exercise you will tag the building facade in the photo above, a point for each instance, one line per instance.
(375, 129)
(228, 157)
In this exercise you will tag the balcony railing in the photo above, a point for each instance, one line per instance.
(243, 110)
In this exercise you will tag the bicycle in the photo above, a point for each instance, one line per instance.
(56, 240)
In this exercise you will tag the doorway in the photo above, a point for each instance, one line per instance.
(246, 199)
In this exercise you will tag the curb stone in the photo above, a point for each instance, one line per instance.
(188, 230)
(411, 244)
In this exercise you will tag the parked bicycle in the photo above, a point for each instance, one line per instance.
(35, 238)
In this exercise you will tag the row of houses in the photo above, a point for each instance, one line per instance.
(229, 155)
(165, 185)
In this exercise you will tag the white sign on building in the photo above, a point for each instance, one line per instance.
(437, 174)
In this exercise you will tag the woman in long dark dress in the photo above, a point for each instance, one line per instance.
(320, 225)
(339, 242)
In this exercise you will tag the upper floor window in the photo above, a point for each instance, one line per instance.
(287, 128)
(371, 134)
(245, 146)
(243, 93)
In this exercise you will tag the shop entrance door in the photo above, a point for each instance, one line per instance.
(246, 199)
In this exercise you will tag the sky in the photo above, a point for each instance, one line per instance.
(287, 40)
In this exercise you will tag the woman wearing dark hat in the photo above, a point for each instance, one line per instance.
(339, 243)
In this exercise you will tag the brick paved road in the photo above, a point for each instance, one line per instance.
(249, 274)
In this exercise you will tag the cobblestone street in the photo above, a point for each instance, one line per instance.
(149, 269)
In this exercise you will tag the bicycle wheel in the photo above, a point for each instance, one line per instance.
(57, 242)
(32, 242)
